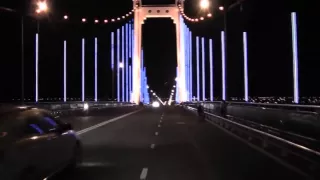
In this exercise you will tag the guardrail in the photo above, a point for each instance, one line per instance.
(299, 119)
(303, 160)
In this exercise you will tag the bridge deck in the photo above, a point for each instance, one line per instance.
(184, 149)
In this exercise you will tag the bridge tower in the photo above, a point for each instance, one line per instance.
(143, 12)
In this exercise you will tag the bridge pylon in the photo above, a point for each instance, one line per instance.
(143, 12)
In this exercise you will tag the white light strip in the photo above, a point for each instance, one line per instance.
(223, 55)
(65, 71)
(130, 83)
(37, 64)
(295, 57)
(83, 70)
(203, 72)
(127, 63)
(191, 79)
(122, 60)
(95, 69)
(112, 51)
(211, 70)
(245, 58)
(118, 67)
(198, 77)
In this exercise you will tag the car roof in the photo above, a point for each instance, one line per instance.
(15, 110)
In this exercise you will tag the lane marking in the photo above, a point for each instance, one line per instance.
(105, 123)
(159, 126)
(144, 174)
(156, 133)
(152, 146)
(276, 159)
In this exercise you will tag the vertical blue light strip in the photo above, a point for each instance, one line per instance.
(203, 72)
(83, 70)
(186, 47)
(130, 35)
(37, 64)
(295, 57)
(211, 70)
(198, 69)
(245, 61)
(127, 63)
(191, 77)
(223, 55)
(65, 71)
(118, 67)
(130, 83)
(123, 61)
(112, 51)
(95, 69)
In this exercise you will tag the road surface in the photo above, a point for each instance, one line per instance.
(167, 144)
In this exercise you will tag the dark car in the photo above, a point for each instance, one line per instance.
(34, 144)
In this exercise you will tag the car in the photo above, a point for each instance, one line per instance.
(35, 145)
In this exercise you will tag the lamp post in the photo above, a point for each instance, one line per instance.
(204, 4)
(42, 7)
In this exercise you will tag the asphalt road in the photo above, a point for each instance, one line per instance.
(168, 144)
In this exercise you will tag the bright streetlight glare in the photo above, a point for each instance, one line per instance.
(204, 4)
(42, 6)
(65, 17)
(221, 8)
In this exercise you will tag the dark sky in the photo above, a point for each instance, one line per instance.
(269, 44)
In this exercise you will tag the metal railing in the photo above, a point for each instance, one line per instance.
(301, 159)
(298, 119)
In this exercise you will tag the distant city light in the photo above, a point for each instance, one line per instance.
(105, 21)
(96, 21)
(65, 17)
(83, 20)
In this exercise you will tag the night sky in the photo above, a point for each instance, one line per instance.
(269, 43)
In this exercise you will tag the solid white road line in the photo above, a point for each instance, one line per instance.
(156, 133)
(144, 174)
(105, 123)
(152, 146)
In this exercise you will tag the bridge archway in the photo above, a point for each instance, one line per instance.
(143, 12)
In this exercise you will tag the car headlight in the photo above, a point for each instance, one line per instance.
(156, 104)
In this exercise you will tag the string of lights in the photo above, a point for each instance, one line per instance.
(106, 20)
(197, 19)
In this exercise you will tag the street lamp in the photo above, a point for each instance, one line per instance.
(204, 4)
(42, 7)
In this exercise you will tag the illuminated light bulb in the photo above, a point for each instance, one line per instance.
(96, 21)
(209, 15)
(118, 18)
(201, 18)
(83, 20)
(105, 21)
(221, 8)
(65, 17)
(112, 20)
(123, 17)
